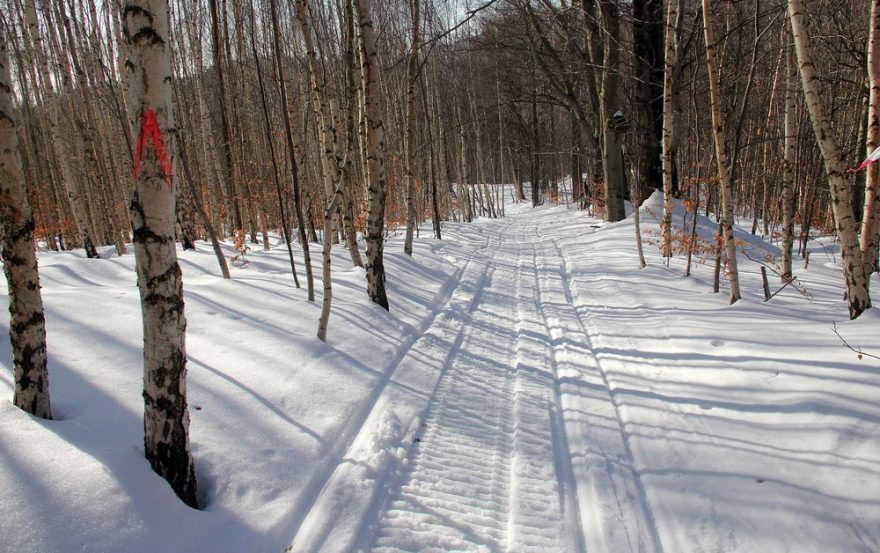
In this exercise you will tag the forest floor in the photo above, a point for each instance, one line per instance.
(531, 389)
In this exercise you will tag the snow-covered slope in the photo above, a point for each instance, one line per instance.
(531, 389)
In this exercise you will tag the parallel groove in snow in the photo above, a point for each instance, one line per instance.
(456, 488)
(521, 446)
(538, 488)
(482, 476)
(615, 514)
(332, 521)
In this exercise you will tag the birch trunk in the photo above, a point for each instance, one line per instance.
(788, 163)
(147, 85)
(62, 155)
(267, 121)
(721, 155)
(27, 325)
(348, 218)
(374, 143)
(841, 198)
(870, 222)
(331, 162)
(291, 154)
(410, 136)
(671, 62)
(233, 205)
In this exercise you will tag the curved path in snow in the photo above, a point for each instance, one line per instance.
(497, 430)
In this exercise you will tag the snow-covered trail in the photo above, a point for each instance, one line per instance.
(487, 472)
(530, 390)
(497, 432)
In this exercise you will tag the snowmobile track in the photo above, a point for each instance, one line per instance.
(613, 506)
(354, 477)
(496, 430)
(483, 473)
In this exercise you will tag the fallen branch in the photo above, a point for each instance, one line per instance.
(793, 281)
(858, 351)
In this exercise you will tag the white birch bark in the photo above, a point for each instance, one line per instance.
(870, 222)
(147, 85)
(374, 155)
(27, 325)
(62, 153)
(334, 165)
(331, 161)
(409, 142)
(671, 61)
(841, 197)
(721, 155)
(788, 160)
(291, 156)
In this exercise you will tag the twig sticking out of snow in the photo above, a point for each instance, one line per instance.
(858, 351)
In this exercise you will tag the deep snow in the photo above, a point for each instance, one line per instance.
(530, 390)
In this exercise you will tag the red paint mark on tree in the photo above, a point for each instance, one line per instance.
(150, 134)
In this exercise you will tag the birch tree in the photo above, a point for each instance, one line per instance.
(147, 78)
(788, 161)
(228, 175)
(673, 10)
(61, 148)
(373, 140)
(841, 197)
(410, 123)
(727, 238)
(291, 155)
(334, 166)
(27, 326)
(869, 237)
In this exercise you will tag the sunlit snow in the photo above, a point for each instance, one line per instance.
(530, 390)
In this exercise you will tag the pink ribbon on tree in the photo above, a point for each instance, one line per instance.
(874, 156)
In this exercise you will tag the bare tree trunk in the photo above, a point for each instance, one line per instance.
(871, 212)
(330, 209)
(648, 47)
(433, 161)
(27, 325)
(841, 198)
(409, 140)
(673, 12)
(635, 198)
(374, 142)
(71, 183)
(788, 162)
(199, 208)
(334, 158)
(348, 218)
(612, 158)
(267, 120)
(534, 158)
(226, 132)
(291, 154)
(721, 155)
(147, 85)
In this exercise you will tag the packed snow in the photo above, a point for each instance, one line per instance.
(531, 389)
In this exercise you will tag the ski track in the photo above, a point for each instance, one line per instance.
(614, 510)
(483, 473)
(312, 523)
(496, 430)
